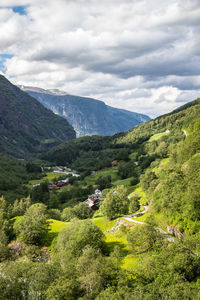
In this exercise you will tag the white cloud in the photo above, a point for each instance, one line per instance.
(139, 55)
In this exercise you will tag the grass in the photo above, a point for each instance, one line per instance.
(54, 228)
(161, 220)
(55, 225)
(185, 131)
(139, 192)
(103, 223)
(126, 182)
(133, 156)
(161, 166)
(117, 238)
(141, 218)
(157, 136)
(50, 176)
(93, 178)
(130, 262)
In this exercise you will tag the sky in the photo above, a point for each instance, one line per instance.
(142, 56)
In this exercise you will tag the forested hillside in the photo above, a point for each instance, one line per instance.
(142, 240)
(26, 126)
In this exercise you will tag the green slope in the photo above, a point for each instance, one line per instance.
(26, 126)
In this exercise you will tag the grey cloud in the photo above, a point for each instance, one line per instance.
(138, 52)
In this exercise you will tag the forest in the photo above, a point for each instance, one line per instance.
(143, 240)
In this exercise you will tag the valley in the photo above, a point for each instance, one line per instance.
(141, 238)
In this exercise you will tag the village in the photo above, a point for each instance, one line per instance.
(93, 200)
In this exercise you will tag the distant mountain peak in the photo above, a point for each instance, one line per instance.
(88, 116)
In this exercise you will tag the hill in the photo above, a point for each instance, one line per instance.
(92, 152)
(160, 157)
(142, 243)
(26, 126)
(87, 116)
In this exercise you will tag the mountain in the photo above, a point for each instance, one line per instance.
(150, 209)
(87, 116)
(27, 126)
(95, 152)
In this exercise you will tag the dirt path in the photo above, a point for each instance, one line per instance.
(165, 234)
(129, 219)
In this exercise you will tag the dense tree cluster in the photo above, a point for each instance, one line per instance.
(116, 202)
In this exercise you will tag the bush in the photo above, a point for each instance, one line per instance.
(77, 235)
(116, 202)
(33, 226)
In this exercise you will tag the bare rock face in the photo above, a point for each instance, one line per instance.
(88, 116)
(174, 231)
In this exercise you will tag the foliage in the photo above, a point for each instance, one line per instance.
(104, 182)
(54, 214)
(40, 193)
(144, 238)
(80, 211)
(134, 204)
(33, 226)
(19, 280)
(19, 207)
(77, 235)
(4, 230)
(26, 126)
(13, 176)
(127, 170)
(116, 202)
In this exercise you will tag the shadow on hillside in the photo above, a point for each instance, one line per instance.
(112, 246)
(49, 238)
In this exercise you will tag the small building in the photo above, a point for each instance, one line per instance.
(35, 185)
(62, 183)
(94, 200)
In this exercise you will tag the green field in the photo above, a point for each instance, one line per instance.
(54, 228)
(49, 177)
(125, 182)
(157, 136)
(103, 223)
(93, 178)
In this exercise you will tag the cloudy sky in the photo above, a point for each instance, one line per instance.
(138, 55)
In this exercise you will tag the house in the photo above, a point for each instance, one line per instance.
(62, 183)
(94, 200)
(97, 192)
(35, 185)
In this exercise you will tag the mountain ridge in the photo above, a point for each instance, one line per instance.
(26, 126)
(88, 116)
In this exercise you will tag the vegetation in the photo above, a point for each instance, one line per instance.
(116, 202)
(33, 226)
(26, 126)
(105, 255)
